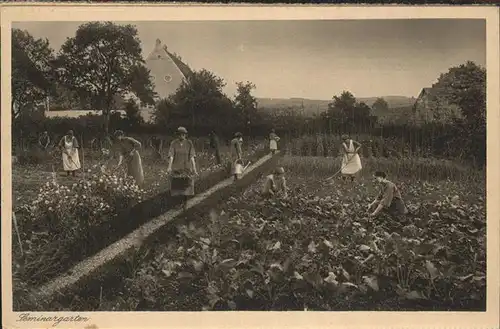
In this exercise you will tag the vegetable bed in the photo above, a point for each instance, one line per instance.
(316, 250)
(105, 208)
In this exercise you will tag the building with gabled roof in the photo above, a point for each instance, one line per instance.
(166, 69)
(433, 106)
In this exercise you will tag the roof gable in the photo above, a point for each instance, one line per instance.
(166, 70)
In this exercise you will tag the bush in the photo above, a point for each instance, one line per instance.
(72, 209)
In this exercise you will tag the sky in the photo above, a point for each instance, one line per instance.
(310, 59)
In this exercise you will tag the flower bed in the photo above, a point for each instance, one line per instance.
(316, 250)
(112, 272)
(65, 224)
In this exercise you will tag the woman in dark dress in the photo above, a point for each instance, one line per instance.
(389, 199)
(127, 149)
(215, 145)
(182, 167)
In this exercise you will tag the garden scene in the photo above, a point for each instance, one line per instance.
(316, 247)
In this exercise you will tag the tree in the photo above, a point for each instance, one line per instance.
(465, 87)
(200, 101)
(347, 112)
(245, 102)
(342, 105)
(380, 107)
(162, 112)
(32, 75)
(104, 60)
(362, 110)
(133, 116)
(66, 99)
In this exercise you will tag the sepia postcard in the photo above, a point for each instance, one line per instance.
(207, 166)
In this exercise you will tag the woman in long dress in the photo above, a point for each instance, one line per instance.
(273, 141)
(215, 145)
(182, 167)
(156, 144)
(127, 149)
(236, 142)
(236, 151)
(70, 158)
(351, 162)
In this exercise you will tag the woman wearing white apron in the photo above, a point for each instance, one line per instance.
(351, 162)
(69, 147)
(273, 142)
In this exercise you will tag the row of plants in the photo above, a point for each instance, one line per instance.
(429, 169)
(70, 219)
(26, 296)
(372, 146)
(316, 250)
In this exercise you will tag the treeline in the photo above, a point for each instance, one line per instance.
(76, 78)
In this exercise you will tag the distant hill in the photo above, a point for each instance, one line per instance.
(312, 106)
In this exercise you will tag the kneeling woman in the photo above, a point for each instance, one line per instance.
(275, 184)
(389, 199)
(182, 167)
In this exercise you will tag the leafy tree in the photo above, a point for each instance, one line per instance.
(32, 75)
(380, 107)
(362, 110)
(66, 99)
(343, 105)
(162, 112)
(104, 60)
(346, 112)
(465, 86)
(200, 100)
(245, 102)
(133, 115)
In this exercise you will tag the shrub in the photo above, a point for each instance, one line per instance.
(71, 209)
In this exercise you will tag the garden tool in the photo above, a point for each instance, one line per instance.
(247, 165)
(239, 169)
(71, 159)
(332, 176)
